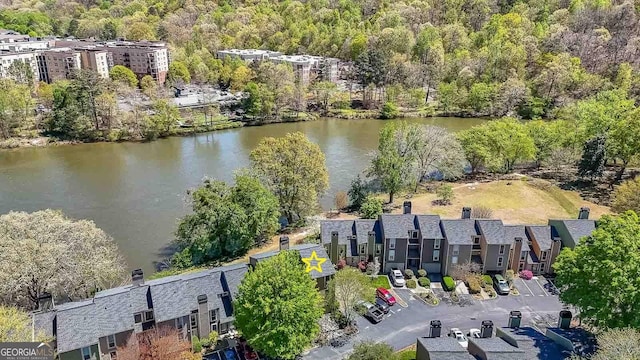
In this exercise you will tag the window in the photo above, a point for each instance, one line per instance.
(436, 244)
(501, 249)
(86, 353)
(541, 267)
(392, 255)
(214, 327)
(500, 260)
(113, 355)
(456, 249)
(523, 255)
(137, 318)
(392, 243)
(214, 315)
(414, 234)
(363, 248)
(342, 252)
(180, 323)
(193, 319)
(543, 255)
(476, 240)
(148, 315)
(378, 249)
(111, 341)
(436, 255)
(521, 266)
(454, 259)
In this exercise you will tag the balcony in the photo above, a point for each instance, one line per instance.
(414, 241)
(413, 253)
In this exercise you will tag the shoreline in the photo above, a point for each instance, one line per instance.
(42, 141)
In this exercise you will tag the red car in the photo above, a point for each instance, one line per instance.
(385, 295)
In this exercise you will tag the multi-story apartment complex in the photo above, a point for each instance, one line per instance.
(143, 58)
(58, 63)
(408, 241)
(248, 55)
(7, 58)
(193, 303)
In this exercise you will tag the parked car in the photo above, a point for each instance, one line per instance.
(244, 348)
(501, 285)
(371, 311)
(382, 305)
(385, 295)
(474, 333)
(459, 336)
(397, 278)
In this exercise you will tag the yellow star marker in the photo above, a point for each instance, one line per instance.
(318, 261)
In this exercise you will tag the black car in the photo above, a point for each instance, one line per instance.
(382, 305)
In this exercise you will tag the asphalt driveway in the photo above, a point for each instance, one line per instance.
(538, 286)
(402, 326)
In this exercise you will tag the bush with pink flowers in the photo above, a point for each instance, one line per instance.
(526, 274)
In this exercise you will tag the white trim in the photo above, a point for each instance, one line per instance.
(109, 343)
(436, 244)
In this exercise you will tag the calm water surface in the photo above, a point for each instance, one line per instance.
(136, 191)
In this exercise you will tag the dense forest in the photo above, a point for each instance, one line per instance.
(483, 57)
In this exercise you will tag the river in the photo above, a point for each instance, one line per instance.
(136, 191)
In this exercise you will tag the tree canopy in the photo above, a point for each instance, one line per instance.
(278, 307)
(605, 260)
(46, 252)
(123, 74)
(17, 326)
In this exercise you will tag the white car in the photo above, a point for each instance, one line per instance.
(459, 336)
(474, 333)
(397, 278)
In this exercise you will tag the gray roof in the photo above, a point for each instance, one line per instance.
(397, 226)
(363, 227)
(493, 232)
(497, 349)
(345, 228)
(459, 231)
(579, 228)
(305, 251)
(542, 235)
(82, 323)
(533, 343)
(429, 226)
(444, 348)
(515, 231)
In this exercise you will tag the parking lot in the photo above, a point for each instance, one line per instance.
(538, 286)
(403, 325)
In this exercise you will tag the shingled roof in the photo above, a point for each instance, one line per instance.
(493, 232)
(305, 251)
(363, 227)
(517, 231)
(429, 226)
(542, 235)
(444, 348)
(459, 231)
(397, 226)
(82, 323)
(344, 228)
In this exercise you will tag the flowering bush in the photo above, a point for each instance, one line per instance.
(526, 274)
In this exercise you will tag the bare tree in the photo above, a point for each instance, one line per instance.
(45, 251)
(437, 150)
(159, 343)
(481, 212)
(348, 287)
(465, 271)
(342, 200)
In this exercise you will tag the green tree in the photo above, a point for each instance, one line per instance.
(259, 100)
(21, 72)
(445, 193)
(16, 326)
(358, 192)
(481, 97)
(323, 91)
(627, 196)
(178, 72)
(260, 205)
(294, 169)
(476, 146)
(278, 307)
(369, 350)
(509, 142)
(124, 75)
(389, 110)
(16, 106)
(603, 260)
(593, 158)
(149, 86)
(544, 137)
(622, 344)
(165, 117)
(371, 208)
(347, 287)
(392, 163)
(624, 141)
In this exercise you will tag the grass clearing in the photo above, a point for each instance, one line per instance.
(513, 201)
(380, 281)
(406, 354)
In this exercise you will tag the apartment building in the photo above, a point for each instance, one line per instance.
(7, 58)
(143, 58)
(96, 59)
(248, 55)
(58, 63)
(307, 68)
(408, 241)
(193, 303)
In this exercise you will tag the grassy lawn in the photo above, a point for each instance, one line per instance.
(406, 354)
(514, 201)
(381, 281)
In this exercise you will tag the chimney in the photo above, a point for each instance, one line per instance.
(514, 319)
(435, 329)
(466, 212)
(334, 247)
(486, 330)
(584, 213)
(564, 322)
(284, 243)
(204, 319)
(45, 302)
(406, 207)
(137, 277)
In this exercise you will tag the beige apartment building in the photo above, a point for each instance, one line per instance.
(143, 58)
(96, 59)
(7, 58)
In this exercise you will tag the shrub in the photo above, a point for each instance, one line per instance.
(195, 343)
(481, 212)
(205, 342)
(411, 284)
(526, 274)
(424, 281)
(448, 283)
(509, 275)
(474, 286)
(408, 273)
(389, 110)
(341, 200)
(422, 272)
(371, 208)
(445, 193)
(486, 279)
(213, 338)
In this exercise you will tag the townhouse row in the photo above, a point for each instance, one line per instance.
(195, 304)
(56, 59)
(412, 241)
